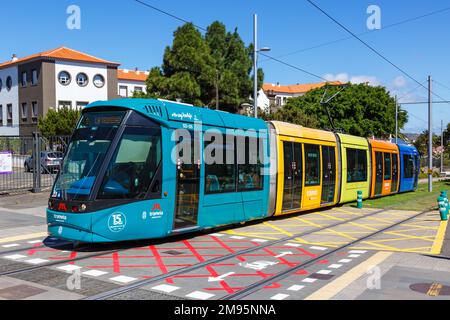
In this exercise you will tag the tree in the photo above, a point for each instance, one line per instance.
(359, 109)
(59, 122)
(195, 68)
(421, 142)
(447, 139)
(295, 115)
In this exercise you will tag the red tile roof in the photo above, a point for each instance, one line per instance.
(132, 75)
(297, 88)
(61, 53)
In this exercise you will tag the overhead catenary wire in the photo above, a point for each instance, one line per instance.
(364, 33)
(371, 47)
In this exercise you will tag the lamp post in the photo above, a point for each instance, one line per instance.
(255, 63)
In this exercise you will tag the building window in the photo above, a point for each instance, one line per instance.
(356, 165)
(64, 104)
(81, 105)
(123, 91)
(24, 79)
(312, 165)
(8, 83)
(34, 111)
(1, 85)
(99, 81)
(9, 111)
(278, 101)
(138, 89)
(64, 78)
(220, 176)
(24, 110)
(82, 79)
(1, 115)
(34, 77)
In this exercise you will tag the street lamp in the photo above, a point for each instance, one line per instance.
(255, 63)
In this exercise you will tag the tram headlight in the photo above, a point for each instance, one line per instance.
(83, 207)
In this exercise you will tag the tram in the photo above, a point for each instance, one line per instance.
(147, 168)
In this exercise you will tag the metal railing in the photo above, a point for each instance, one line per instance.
(20, 155)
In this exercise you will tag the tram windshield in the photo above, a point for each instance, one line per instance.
(86, 152)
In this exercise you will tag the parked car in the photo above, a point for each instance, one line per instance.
(50, 162)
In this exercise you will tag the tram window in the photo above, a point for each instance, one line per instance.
(408, 163)
(387, 166)
(133, 165)
(250, 171)
(356, 165)
(220, 176)
(312, 165)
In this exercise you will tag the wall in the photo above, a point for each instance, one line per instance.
(10, 97)
(73, 92)
(131, 85)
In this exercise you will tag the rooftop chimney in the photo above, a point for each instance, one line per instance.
(14, 57)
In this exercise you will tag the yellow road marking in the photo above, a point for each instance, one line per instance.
(334, 287)
(24, 237)
(278, 229)
(439, 240)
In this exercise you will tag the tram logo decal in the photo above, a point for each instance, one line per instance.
(156, 212)
(117, 222)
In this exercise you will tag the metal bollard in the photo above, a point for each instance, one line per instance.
(447, 205)
(442, 208)
(360, 200)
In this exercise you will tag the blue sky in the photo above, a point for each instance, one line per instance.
(127, 32)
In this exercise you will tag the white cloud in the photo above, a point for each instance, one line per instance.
(345, 77)
(399, 82)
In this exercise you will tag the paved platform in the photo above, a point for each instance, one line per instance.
(108, 267)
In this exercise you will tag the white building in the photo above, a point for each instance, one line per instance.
(130, 81)
(9, 101)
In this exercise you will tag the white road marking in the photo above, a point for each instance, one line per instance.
(220, 278)
(318, 248)
(36, 261)
(324, 272)
(11, 245)
(259, 240)
(15, 257)
(279, 296)
(217, 234)
(295, 288)
(200, 295)
(287, 253)
(354, 255)
(237, 237)
(309, 280)
(69, 268)
(345, 260)
(94, 273)
(335, 266)
(34, 241)
(122, 279)
(358, 251)
(165, 288)
(295, 245)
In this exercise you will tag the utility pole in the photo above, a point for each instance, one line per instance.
(255, 64)
(217, 89)
(396, 119)
(430, 138)
(442, 146)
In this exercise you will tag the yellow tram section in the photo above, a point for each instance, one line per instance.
(350, 185)
(297, 148)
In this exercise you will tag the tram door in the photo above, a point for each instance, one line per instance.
(378, 173)
(328, 174)
(292, 188)
(394, 184)
(416, 171)
(188, 182)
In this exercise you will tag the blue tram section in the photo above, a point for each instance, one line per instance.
(130, 174)
(410, 167)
